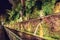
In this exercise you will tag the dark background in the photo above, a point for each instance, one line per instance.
(4, 4)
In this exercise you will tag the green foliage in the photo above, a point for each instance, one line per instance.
(29, 4)
(48, 6)
(31, 8)
(19, 7)
(13, 16)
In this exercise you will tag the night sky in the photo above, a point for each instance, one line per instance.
(4, 4)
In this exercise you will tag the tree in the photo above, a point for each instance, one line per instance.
(48, 6)
(31, 9)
